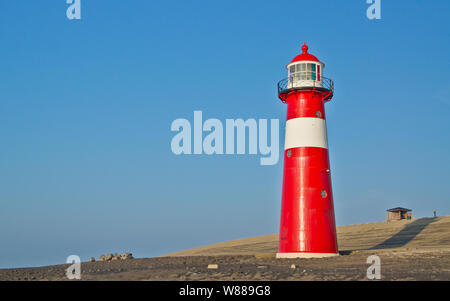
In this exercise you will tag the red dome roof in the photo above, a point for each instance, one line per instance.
(304, 56)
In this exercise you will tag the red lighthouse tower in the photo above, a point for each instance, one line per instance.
(307, 227)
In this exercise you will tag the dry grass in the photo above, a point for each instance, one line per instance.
(417, 233)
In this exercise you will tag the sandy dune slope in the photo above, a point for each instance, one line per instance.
(416, 233)
(409, 250)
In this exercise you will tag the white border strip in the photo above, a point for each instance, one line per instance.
(306, 255)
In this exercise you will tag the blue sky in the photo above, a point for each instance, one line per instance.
(86, 107)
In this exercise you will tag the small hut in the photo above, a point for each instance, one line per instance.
(399, 213)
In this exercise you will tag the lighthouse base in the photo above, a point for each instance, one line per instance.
(305, 255)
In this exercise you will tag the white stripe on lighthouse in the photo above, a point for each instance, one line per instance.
(306, 132)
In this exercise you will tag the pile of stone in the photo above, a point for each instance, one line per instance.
(111, 257)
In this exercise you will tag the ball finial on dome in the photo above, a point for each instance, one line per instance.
(305, 48)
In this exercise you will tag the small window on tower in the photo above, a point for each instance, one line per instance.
(318, 73)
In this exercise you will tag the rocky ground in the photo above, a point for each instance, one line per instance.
(409, 250)
(401, 264)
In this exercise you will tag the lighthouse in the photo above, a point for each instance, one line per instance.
(307, 227)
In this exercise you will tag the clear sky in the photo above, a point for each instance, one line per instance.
(86, 107)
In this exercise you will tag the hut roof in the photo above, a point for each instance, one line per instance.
(397, 209)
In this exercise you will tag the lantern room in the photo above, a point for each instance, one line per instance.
(305, 70)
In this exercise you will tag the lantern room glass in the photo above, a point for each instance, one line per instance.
(304, 71)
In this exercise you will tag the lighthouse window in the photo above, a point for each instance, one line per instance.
(302, 71)
(313, 71)
(292, 69)
(305, 71)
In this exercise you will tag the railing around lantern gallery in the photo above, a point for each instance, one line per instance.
(305, 81)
